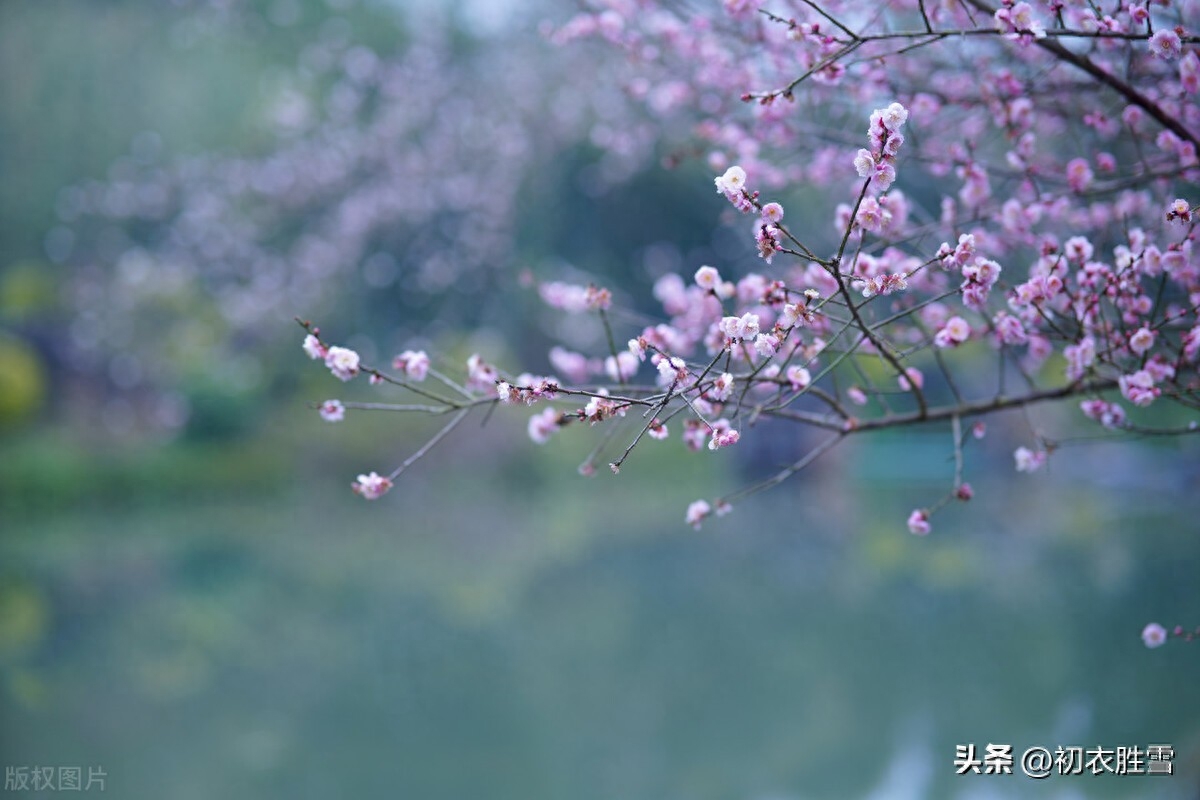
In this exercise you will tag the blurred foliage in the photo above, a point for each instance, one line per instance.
(39, 474)
(22, 382)
(95, 75)
(218, 412)
(27, 292)
(23, 619)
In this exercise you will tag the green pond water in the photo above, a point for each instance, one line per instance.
(477, 635)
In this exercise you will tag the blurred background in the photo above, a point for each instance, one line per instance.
(192, 599)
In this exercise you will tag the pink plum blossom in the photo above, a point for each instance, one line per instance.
(912, 377)
(413, 363)
(696, 512)
(333, 411)
(1142, 340)
(1029, 460)
(372, 486)
(708, 278)
(1138, 387)
(772, 212)
(732, 182)
(342, 362)
(543, 425)
(1154, 635)
(722, 387)
(313, 347)
(953, 333)
(1165, 44)
(798, 377)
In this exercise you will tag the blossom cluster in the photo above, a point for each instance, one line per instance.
(1065, 220)
(879, 163)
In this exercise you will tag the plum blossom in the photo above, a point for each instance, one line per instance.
(575, 299)
(598, 298)
(881, 284)
(734, 180)
(1154, 635)
(977, 187)
(624, 365)
(313, 347)
(1029, 460)
(708, 278)
(911, 377)
(1019, 20)
(564, 296)
(799, 378)
(1141, 341)
(918, 522)
(1189, 72)
(333, 411)
(1191, 344)
(480, 374)
(953, 333)
(885, 175)
(372, 486)
(878, 163)
(740, 8)
(767, 237)
(695, 433)
(723, 435)
(872, 216)
(542, 426)
(696, 512)
(959, 255)
(1110, 415)
(413, 363)
(1080, 357)
(1165, 44)
(1160, 369)
(978, 280)
(1010, 329)
(1138, 388)
(741, 328)
(772, 212)
(722, 387)
(864, 163)
(1179, 211)
(766, 344)
(1078, 249)
(894, 117)
(1079, 174)
(342, 362)
(672, 370)
(794, 314)
(574, 365)
(601, 408)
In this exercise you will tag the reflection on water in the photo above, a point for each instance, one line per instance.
(807, 647)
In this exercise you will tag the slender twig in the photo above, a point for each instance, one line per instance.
(437, 437)
(787, 472)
